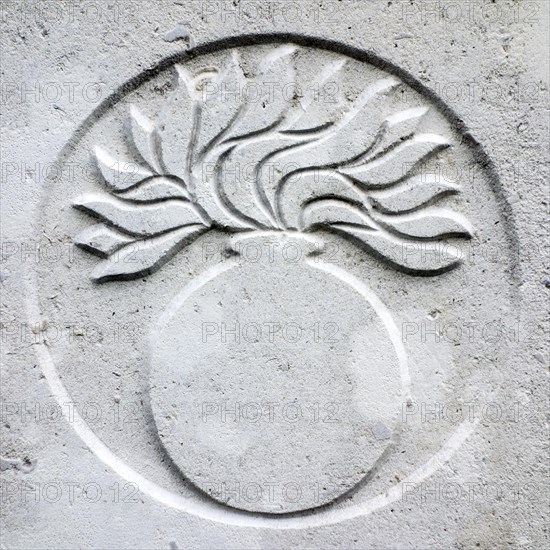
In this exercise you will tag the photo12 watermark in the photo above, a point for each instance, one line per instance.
(68, 492)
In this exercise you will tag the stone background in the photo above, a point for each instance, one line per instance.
(487, 60)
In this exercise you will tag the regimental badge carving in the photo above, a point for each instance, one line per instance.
(280, 224)
(351, 171)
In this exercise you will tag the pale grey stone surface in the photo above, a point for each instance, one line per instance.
(441, 442)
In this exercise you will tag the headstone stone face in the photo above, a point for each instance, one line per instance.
(274, 275)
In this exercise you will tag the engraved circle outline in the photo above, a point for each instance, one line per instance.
(319, 516)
